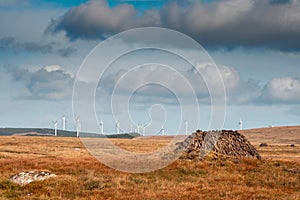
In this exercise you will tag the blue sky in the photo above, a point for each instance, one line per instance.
(254, 43)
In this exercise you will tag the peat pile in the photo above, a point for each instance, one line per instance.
(225, 142)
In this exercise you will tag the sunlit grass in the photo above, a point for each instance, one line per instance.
(80, 176)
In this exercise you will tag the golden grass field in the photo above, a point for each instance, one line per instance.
(81, 176)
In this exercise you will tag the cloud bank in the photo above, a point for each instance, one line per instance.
(53, 82)
(47, 83)
(282, 90)
(10, 43)
(201, 79)
(271, 24)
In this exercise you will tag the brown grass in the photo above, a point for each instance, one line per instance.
(80, 176)
(276, 135)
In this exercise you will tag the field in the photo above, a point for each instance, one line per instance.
(81, 176)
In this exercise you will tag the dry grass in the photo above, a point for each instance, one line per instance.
(276, 135)
(80, 176)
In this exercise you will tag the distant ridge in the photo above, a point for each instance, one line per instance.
(60, 133)
(274, 135)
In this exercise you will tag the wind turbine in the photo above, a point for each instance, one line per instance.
(162, 130)
(131, 128)
(186, 127)
(101, 123)
(144, 129)
(138, 128)
(55, 127)
(64, 123)
(241, 124)
(78, 126)
(118, 127)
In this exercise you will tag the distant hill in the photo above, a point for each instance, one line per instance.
(60, 133)
(274, 135)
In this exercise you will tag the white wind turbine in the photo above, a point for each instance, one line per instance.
(64, 122)
(131, 128)
(138, 128)
(143, 126)
(101, 123)
(55, 127)
(144, 129)
(162, 130)
(241, 124)
(118, 127)
(186, 125)
(78, 126)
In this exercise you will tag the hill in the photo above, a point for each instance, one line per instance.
(60, 133)
(285, 135)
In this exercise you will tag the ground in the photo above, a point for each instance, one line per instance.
(81, 176)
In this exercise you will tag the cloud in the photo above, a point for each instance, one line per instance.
(279, 1)
(8, 3)
(156, 83)
(272, 24)
(10, 43)
(6, 42)
(65, 52)
(47, 83)
(238, 91)
(95, 19)
(285, 90)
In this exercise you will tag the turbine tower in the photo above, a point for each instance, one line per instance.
(162, 131)
(186, 127)
(241, 124)
(144, 130)
(138, 128)
(64, 123)
(55, 127)
(118, 127)
(101, 127)
(78, 126)
(131, 128)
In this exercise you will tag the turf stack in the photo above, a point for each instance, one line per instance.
(219, 143)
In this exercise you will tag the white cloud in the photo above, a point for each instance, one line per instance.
(205, 82)
(230, 76)
(52, 68)
(282, 90)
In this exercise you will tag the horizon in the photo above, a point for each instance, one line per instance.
(150, 135)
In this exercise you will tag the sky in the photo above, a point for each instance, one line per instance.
(251, 46)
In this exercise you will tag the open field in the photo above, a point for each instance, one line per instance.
(277, 135)
(81, 176)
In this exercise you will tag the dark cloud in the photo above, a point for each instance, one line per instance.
(34, 47)
(279, 1)
(95, 19)
(47, 83)
(228, 24)
(10, 43)
(9, 3)
(65, 52)
(6, 42)
(16, 73)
